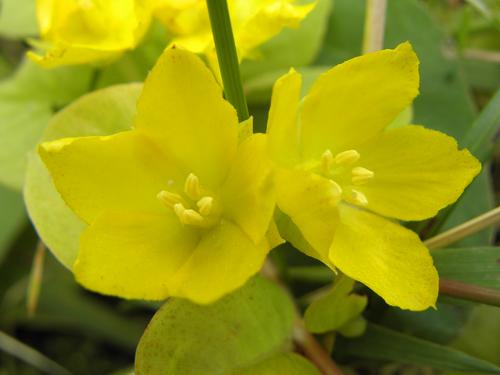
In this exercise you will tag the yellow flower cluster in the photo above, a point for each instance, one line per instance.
(86, 31)
(180, 206)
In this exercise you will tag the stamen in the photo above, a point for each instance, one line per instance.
(192, 187)
(179, 210)
(191, 217)
(347, 157)
(361, 175)
(169, 199)
(337, 190)
(326, 161)
(205, 205)
(359, 198)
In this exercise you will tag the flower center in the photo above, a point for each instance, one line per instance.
(195, 206)
(346, 177)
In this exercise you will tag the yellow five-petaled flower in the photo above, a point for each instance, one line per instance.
(176, 206)
(344, 177)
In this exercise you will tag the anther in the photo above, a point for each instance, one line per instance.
(205, 205)
(326, 161)
(361, 175)
(347, 157)
(359, 198)
(169, 199)
(192, 187)
(191, 217)
(179, 210)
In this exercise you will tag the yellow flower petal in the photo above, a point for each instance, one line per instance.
(388, 258)
(253, 21)
(354, 101)
(133, 254)
(257, 21)
(223, 261)
(291, 233)
(76, 32)
(182, 108)
(282, 124)
(59, 55)
(248, 193)
(418, 171)
(124, 171)
(310, 201)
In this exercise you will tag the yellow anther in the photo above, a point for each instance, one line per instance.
(169, 199)
(192, 187)
(347, 157)
(179, 210)
(359, 198)
(326, 161)
(336, 189)
(191, 217)
(205, 205)
(361, 175)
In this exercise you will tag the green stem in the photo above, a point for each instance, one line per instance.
(464, 230)
(373, 37)
(227, 56)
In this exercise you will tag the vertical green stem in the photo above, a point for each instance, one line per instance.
(373, 38)
(227, 56)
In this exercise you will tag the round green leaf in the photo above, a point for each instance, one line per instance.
(230, 336)
(102, 112)
(285, 363)
(27, 101)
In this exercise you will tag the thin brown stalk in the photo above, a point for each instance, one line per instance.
(469, 292)
(35, 279)
(306, 342)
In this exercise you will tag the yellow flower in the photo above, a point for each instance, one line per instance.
(253, 21)
(85, 31)
(176, 206)
(343, 176)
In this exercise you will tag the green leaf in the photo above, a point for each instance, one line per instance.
(11, 219)
(237, 332)
(439, 325)
(477, 199)
(354, 328)
(473, 265)
(102, 112)
(479, 139)
(27, 101)
(64, 306)
(480, 336)
(292, 47)
(285, 363)
(384, 344)
(336, 309)
(18, 19)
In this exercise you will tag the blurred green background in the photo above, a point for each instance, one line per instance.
(79, 332)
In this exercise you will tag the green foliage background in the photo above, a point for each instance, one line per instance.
(89, 334)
